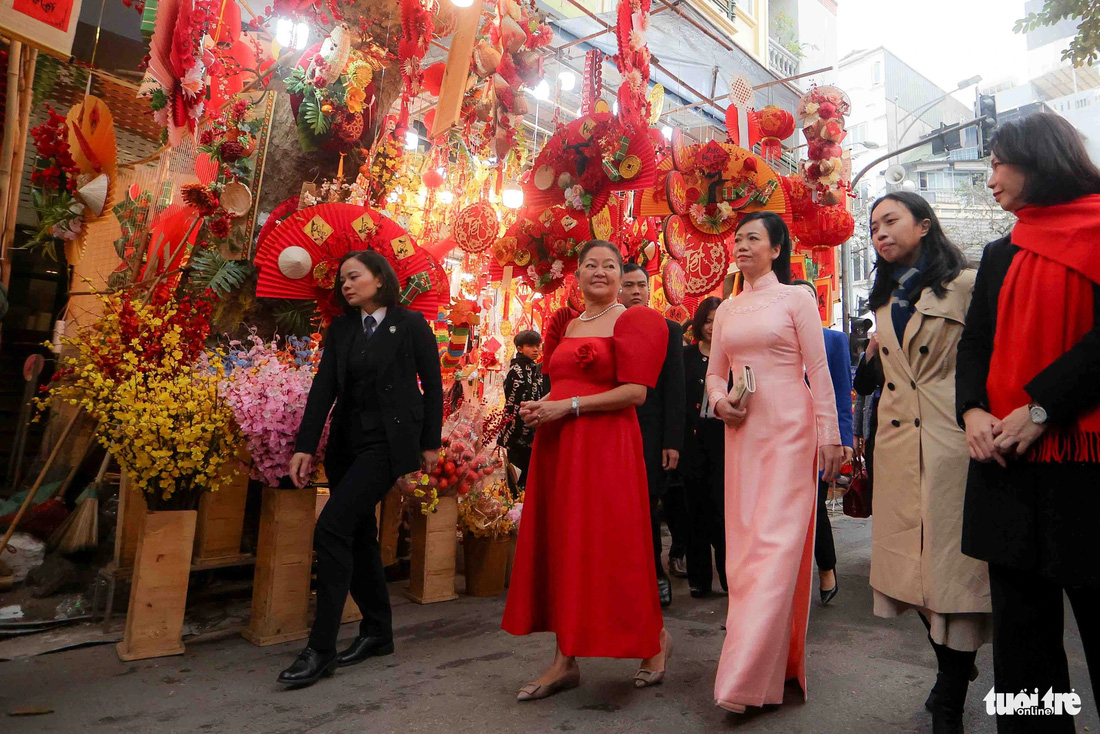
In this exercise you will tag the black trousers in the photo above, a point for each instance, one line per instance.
(704, 479)
(348, 553)
(676, 515)
(520, 456)
(658, 486)
(1028, 621)
(824, 550)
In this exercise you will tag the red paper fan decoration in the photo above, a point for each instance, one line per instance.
(297, 259)
(476, 227)
(705, 266)
(675, 282)
(570, 158)
(676, 236)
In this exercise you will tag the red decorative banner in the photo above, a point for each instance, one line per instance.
(54, 13)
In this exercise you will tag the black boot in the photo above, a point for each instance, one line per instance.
(948, 697)
(308, 668)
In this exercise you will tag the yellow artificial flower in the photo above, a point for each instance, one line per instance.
(354, 99)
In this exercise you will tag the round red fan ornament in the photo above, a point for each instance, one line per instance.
(705, 265)
(476, 227)
(675, 282)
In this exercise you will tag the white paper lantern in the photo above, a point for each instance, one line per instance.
(295, 262)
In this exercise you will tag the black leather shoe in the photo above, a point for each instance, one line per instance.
(699, 593)
(310, 667)
(363, 648)
(664, 592)
(827, 596)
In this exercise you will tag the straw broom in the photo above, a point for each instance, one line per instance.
(80, 531)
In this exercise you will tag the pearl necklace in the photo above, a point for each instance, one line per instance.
(601, 313)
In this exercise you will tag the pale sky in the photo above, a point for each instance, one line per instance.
(945, 40)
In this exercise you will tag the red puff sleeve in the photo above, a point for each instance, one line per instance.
(641, 342)
(553, 331)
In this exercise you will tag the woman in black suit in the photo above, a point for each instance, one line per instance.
(704, 462)
(377, 360)
(1028, 394)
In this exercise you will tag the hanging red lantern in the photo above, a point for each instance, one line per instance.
(836, 225)
(433, 78)
(432, 178)
(776, 125)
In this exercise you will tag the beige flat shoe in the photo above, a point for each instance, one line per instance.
(735, 708)
(645, 678)
(534, 691)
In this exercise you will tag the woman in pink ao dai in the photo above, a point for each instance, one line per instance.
(772, 442)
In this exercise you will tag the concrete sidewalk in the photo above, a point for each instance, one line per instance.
(456, 671)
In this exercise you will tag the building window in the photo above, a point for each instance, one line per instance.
(858, 134)
(877, 73)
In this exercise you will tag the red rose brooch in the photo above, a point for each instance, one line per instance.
(585, 355)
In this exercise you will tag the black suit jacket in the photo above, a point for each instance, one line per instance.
(662, 414)
(402, 349)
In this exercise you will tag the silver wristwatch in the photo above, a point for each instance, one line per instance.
(575, 405)
(1038, 413)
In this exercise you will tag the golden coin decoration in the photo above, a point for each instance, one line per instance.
(630, 167)
(523, 257)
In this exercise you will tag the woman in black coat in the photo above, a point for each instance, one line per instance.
(1028, 394)
(703, 462)
(380, 366)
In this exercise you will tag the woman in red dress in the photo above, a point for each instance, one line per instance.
(584, 566)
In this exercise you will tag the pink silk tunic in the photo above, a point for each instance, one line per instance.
(771, 484)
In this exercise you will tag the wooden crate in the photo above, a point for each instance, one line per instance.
(433, 541)
(284, 557)
(221, 515)
(131, 512)
(158, 597)
(389, 526)
(486, 564)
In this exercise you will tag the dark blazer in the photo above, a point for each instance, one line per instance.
(662, 414)
(402, 349)
(840, 369)
(1033, 515)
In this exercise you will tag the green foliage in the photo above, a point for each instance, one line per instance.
(310, 113)
(158, 100)
(1084, 48)
(294, 318)
(210, 270)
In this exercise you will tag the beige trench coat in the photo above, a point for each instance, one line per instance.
(921, 462)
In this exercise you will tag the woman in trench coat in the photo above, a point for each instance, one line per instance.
(921, 294)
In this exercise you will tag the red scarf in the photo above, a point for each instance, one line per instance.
(1044, 309)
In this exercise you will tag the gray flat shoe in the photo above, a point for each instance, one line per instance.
(534, 691)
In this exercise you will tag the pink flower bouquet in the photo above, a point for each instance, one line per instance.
(267, 387)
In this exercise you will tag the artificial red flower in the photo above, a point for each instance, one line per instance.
(586, 355)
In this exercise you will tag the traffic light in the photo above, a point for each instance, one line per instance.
(943, 142)
(986, 107)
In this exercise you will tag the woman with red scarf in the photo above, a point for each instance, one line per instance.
(1028, 394)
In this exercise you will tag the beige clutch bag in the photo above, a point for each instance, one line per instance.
(743, 386)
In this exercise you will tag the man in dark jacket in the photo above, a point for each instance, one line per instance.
(661, 419)
(523, 382)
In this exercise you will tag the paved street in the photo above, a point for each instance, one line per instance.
(456, 671)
